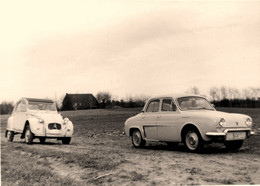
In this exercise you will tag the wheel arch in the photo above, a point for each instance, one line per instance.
(131, 130)
(27, 123)
(10, 123)
(187, 127)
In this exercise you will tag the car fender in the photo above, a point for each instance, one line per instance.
(139, 128)
(69, 129)
(35, 126)
(204, 137)
(10, 123)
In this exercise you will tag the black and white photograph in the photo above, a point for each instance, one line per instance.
(149, 92)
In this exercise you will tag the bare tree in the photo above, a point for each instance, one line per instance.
(193, 90)
(250, 93)
(224, 92)
(236, 93)
(104, 98)
(213, 93)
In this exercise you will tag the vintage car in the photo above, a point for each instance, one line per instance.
(38, 118)
(188, 119)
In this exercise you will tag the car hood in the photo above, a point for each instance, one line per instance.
(231, 119)
(48, 117)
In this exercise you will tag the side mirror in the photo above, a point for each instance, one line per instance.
(142, 111)
(213, 105)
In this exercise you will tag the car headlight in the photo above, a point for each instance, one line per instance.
(41, 120)
(248, 122)
(66, 120)
(222, 122)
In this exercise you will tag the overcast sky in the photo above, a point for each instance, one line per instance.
(50, 48)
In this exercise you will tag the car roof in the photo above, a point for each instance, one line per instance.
(38, 100)
(176, 95)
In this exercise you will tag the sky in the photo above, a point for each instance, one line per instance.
(128, 48)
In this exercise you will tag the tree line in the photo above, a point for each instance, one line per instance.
(105, 101)
(232, 97)
(6, 108)
(219, 96)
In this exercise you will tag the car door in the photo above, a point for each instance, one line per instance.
(167, 122)
(149, 118)
(19, 117)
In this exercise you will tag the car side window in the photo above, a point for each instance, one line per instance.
(21, 107)
(153, 106)
(168, 105)
(17, 108)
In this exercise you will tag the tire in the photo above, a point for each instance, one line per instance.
(66, 141)
(28, 135)
(137, 139)
(42, 139)
(193, 140)
(10, 136)
(234, 145)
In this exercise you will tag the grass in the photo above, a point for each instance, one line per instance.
(97, 148)
(20, 169)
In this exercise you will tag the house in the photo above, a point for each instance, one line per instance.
(79, 102)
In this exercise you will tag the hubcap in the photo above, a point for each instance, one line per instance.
(136, 138)
(192, 140)
(27, 134)
(8, 135)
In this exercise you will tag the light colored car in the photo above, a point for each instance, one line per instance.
(38, 118)
(189, 119)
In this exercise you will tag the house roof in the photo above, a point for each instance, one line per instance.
(81, 97)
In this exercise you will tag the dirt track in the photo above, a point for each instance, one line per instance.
(100, 154)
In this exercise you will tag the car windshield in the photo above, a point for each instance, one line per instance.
(42, 106)
(194, 103)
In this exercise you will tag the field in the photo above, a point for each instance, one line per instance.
(99, 154)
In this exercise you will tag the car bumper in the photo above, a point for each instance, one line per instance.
(226, 131)
(54, 133)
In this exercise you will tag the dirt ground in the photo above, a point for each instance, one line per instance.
(99, 154)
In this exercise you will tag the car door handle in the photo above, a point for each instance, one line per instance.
(158, 117)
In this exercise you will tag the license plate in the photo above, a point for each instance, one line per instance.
(53, 132)
(235, 136)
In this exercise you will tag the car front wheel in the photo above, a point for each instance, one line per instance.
(137, 139)
(193, 141)
(65, 141)
(234, 145)
(10, 136)
(28, 135)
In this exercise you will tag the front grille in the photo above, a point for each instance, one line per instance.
(56, 126)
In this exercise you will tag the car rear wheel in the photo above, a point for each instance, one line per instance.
(137, 139)
(234, 145)
(28, 135)
(42, 139)
(66, 141)
(193, 141)
(10, 136)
